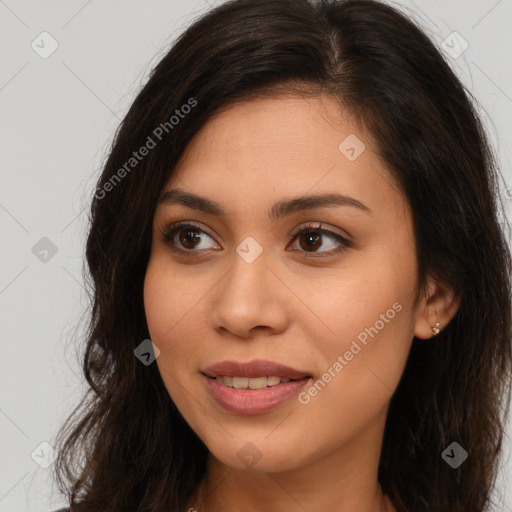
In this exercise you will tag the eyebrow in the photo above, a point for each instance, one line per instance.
(277, 211)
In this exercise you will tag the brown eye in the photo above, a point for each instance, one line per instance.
(310, 240)
(313, 237)
(186, 238)
(189, 238)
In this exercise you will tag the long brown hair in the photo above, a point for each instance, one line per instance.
(126, 447)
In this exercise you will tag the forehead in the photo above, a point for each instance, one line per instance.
(288, 127)
(259, 151)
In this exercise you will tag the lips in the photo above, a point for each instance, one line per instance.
(254, 369)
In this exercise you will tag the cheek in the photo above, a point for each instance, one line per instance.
(158, 303)
(172, 302)
(164, 309)
(354, 302)
(361, 368)
(168, 298)
(364, 336)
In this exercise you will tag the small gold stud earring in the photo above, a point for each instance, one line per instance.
(436, 328)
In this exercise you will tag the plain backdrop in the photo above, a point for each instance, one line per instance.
(59, 112)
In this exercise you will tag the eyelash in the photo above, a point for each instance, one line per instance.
(171, 231)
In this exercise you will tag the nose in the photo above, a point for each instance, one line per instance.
(249, 298)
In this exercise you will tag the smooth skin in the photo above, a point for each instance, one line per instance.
(299, 303)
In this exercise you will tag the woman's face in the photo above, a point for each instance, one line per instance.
(336, 305)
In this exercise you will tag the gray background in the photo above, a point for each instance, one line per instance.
(58, 116)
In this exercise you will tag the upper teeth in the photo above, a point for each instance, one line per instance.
(251, 383)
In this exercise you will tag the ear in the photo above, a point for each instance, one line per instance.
(440, 305)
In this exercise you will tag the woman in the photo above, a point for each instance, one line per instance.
(301, 291)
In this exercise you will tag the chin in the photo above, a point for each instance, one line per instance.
(257, 456)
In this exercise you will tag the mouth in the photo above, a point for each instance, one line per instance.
(252, 383)
(257, 399)
(253, 387)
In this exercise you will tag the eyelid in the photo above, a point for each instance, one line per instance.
(321, 226)
(187, 223)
